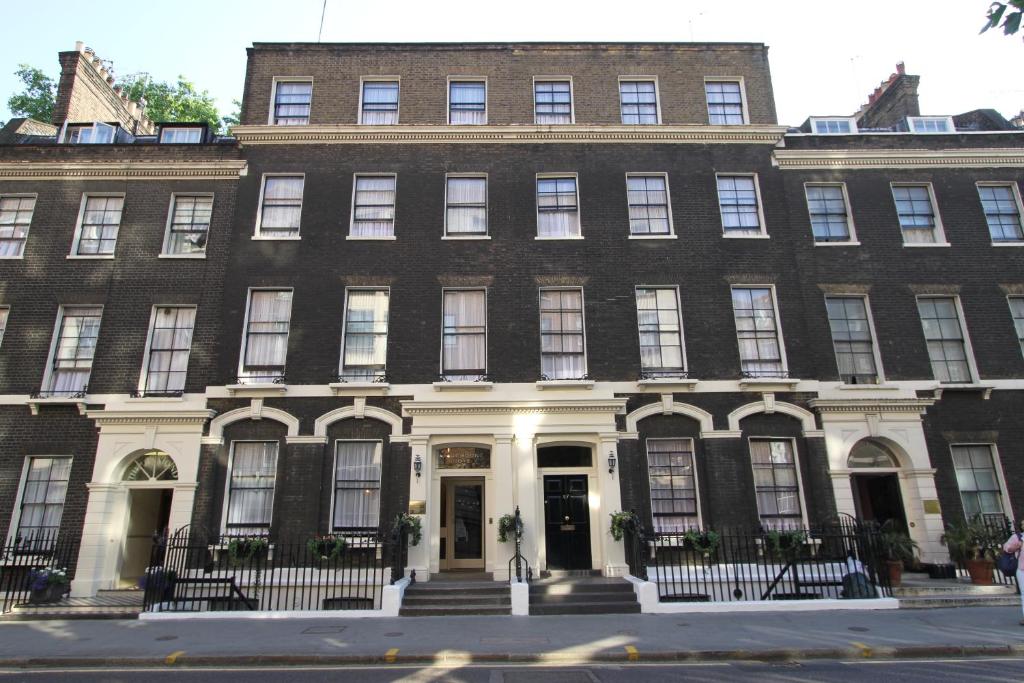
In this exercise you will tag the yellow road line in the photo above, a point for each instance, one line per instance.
(632, 654)
(865, 651)
(389, 656)
(173, 657)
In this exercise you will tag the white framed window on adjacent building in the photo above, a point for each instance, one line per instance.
(280, 212)
(638, 100)
(188, 225)
(181, 135)
(39, 506)
(563, 347)
(465, 205)
(251, 480)
(167, 350)
(265, 336)
(726, 104)
(552, 100)
(758, 332)
(373, 206)
(558, 209)
(650, 212)
(15, 219)
(672, 475)
(661, 332)
(364, 345)
(5, 312)
(1003, 210)
(828, 206)
(72, 351)
(95, 133)
(378, 100)
(1017, 313)
(918, 214)
(853, 338)
(467, 101)
(777, 483)
(949, 349)
(980, 480)
(739, 203)
(357, 475)
(290, 102)
(931, 124)
(833, 125)
(98, 223)
(464, 334)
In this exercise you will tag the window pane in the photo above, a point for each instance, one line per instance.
(737, 202)
(851, 339)
(673, 484)
(364, 350)
(754, 314)
(251, 486)
(916, 213)
(170, 344)
(42, 500)
(466, 211)
(638, 102)
(552, 102)
(373, 214)
(660, 330)
(561, 334)
(944, 337)
(15, 218)
(1001, 213)
(190, 224)
(776, 483)
(266, 339)
(291, 103)
(282, 206)
(467, 102)
(557, 208)
(357, 473)
(647, 197)
(74, 350)
(380, 103)
(101, 219)
(977, 479)
(725, 102)
(464, 347)
(826, 205)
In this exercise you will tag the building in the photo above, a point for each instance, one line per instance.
(453, 280)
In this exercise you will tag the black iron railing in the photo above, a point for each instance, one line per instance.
(153, 393)
(994, 529)
(518, 562)
(59, 393)
(635, 548)
(23, 559)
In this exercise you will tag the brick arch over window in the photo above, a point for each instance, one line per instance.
(349, 412)
(218, 423)
(702, 416)
(805, 417)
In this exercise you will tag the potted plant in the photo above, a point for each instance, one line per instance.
(329, 547)
(897, 547)
(48, 585)
(784, 543)
(972, 544)
(158, 584)
(703, 542)
(622, 521)
(410, 524)
(243, 549)
(506, 526)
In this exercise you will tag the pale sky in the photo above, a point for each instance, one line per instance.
(825, 56)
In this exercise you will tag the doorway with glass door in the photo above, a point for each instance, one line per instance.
(462, 523)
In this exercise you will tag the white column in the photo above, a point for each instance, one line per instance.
(926, 528)
(612, 552)
(181, 505)
(419, 489)
(500, 501)
(842, 488)
(102, 537)
(528, 496)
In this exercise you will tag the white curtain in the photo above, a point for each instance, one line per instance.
(557, 208)
(15, 217)
(253, 476)
(46, 485)
(190, 224)
(465, 341)
(282, 206)
(467, 103)
(357, 484)
(561, 333)
(374, 212)
(169, 348)
(737, 199)
(267, 338)
(917, 218)
(467, 205)
(673, 484)
(76, 345)
(100, 222)
(366, 333)
(648, 205)
(292, 105)
(380, 103)
(775, 481)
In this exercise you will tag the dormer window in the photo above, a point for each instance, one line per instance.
(89, 133)
(834, 125)
(931, 124)
(181, 135)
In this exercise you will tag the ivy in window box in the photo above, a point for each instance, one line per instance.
(622, 521)
(703, 542)
(785, 543)
(410, 524)
(244, 549)
(329, 547)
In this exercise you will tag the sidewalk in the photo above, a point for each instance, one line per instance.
(569, 639)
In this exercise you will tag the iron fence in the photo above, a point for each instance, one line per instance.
(993, 531)
(23, 559)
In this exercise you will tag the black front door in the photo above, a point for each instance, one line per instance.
(879, 499)
(567, 521)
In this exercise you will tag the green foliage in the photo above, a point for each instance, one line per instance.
(972, 539)
(704, 542)
(327, 547)
(1010, 21)
(39, 94)
(895, 543)
(409, 524)
(231, 119)
(179, 102)
(785, 543)
(243, 549)
(622, 521)
(506, 526)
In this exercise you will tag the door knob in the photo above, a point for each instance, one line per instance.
(567, 518)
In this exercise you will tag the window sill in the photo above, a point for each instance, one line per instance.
(985, 389)
(155, 399)
(183, 256)
(359, 388)
(463, 386)
(35, 403)
(653, 237)
(264, 238)
(544, 384)
(837, 244)
(768, 384)
(85, 257)
(469, 238)
(994, 244)
(20, 257)
(762, 236)
(384, 238)
(925, 245)
(257, 389)
(555, 239)
(868, 387)
(672, 383)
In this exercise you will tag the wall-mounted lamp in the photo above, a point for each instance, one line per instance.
(417, 466)
(611, 462)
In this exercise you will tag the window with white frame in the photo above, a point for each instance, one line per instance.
(930, 124)
(978, 480)
(43, 491)
(252, 477)
(181, 135)
(373, 206)
(464, 344)
(280, 207)
(465, 205)
(15, 219)
(265, 346)
(725, 102)
(365, 345)
(379, 103)
(757, 332)
(739, 206)
(552, 101)
(98, 225)
(1001, 204)
(830, 215)
(4, 313)
(852, 339)
(74, 347)
(916, 212)
(188, 226)
(1017, 311)
(562, 342)
(357, 470)
(673, 480)
(647, 197)
(170, 342)
(638, 101)
(97, 133)
(558, 211)
(661, 332)
(834, 126)
(776, 483)
(467, 102)
(291, 103)
(944, 333)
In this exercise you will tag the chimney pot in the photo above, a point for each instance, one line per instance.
(79, 46)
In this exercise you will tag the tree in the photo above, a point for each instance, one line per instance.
(37, 99)
(231, 119)
(1010, 22)
(172, 102)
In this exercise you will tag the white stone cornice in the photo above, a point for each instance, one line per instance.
(871, 405)
(348, 134)
(808, 159)
(123, 170)
(416, 408)
(106, 418)
(306, 439)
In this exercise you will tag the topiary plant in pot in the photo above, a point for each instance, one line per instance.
(972, 544)
(897, 547)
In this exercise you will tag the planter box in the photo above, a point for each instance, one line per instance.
(49, 595)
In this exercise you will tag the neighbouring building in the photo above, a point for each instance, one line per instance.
(453, 280)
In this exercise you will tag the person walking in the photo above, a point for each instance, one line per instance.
(1014, 546)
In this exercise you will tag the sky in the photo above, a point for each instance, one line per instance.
(826, 57)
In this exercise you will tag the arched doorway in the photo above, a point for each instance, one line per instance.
(875, 482)
(148, 478)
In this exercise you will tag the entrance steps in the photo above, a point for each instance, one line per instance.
(106, 604)
(924, 593)
(590, 595)
(463, 593)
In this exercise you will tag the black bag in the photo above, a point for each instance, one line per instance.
(1007, 563)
